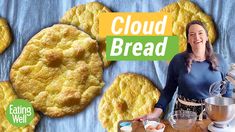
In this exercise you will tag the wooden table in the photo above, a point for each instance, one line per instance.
(200, 126)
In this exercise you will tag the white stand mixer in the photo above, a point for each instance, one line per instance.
(221, 109)
(213, 128)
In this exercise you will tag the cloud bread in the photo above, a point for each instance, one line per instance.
(59, 71)
(7, 95)
(184, 12)
(86, 17)
(5, 35)
(129, 96)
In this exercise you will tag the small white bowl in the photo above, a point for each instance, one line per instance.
(126, 129)
(154, 124)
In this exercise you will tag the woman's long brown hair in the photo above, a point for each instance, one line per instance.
(209, 53)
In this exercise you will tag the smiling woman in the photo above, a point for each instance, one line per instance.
(198, 45)
(192, 71)
(197, 38)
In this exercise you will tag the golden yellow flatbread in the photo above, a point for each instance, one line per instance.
(59, 71)
(86, 17)
(129, 96)
(5, 35)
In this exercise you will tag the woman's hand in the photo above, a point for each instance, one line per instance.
(151, 116)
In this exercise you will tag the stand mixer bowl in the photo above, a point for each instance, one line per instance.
(220, 110)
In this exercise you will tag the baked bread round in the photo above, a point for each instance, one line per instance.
(129, 96)
(86, 17)
(59, 71)
(5, 35)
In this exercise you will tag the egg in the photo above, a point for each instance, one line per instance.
(160, 126)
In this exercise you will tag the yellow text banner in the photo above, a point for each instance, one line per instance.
(135, 24)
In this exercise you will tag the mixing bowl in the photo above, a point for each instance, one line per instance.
(182, 119)
(220, 109)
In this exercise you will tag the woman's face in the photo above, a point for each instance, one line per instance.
(197, 37)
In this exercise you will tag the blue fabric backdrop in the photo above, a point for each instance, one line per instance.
(27, 17)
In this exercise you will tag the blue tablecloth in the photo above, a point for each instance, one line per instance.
(27, 17)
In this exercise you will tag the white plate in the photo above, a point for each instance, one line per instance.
(154, 124)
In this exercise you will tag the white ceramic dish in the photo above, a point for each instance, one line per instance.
(126, 129)
(154, 124)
